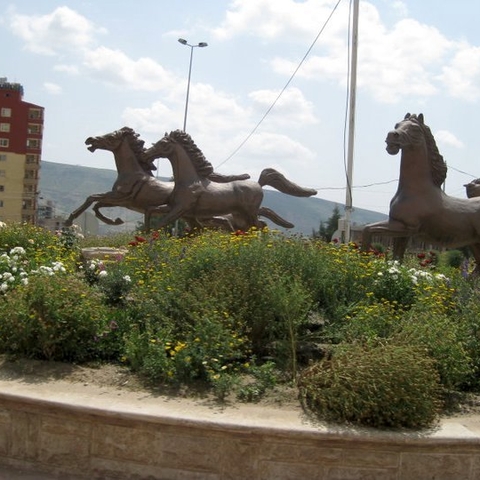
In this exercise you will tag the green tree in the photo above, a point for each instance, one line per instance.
(328, 228)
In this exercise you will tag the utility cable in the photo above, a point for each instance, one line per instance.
(283, 89)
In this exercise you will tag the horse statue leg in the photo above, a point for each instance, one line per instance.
(388, 228)
(157, 210)
(475, 248)
(76, 213)
(103, 218)
(274, 217)
(399, 247)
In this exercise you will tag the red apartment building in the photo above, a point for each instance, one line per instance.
(21, 133)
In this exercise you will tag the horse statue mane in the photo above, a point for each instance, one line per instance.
(137, 146)
(202, 166)
(438, 164)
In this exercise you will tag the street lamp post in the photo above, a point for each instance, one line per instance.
(201, 44)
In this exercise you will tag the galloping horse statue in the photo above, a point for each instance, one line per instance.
(420, 207)
(196, 195)
(137, 189)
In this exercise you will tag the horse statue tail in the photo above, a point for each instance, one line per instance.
(220, 178)
(274, 217)
(275, 179)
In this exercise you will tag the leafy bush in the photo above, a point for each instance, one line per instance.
(368, 321)
(55, 318)
(385, 385)
(444, 340)
(454, 258)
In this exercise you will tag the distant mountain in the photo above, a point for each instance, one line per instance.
(68, 186)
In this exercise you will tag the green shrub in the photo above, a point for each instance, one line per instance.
(55, 318)
(367, 321)
(445, 342)
(29, 237)
(380, 386)
(453, 258)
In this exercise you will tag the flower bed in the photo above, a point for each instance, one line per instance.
(243, 312)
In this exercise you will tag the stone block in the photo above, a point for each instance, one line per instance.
(440, 466)
(135, 444)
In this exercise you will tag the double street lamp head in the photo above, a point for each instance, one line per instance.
(184, 42)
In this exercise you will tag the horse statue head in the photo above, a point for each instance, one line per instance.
(177, 140)
(412, 132)
(112, 141)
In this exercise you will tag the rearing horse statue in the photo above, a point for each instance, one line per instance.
(196, 195)
(420, 207)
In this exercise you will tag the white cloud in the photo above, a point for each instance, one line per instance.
(52, 88)
(392, 64)
(70, 69)
(444, 137)
(462, 75)
(115, 67)
(62, 30)
(404, 60)
(273, 19)
(292, 107)
(154, 119)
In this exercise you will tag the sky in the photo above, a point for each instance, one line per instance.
(269, 90)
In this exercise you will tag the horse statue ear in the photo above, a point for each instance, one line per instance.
(420, 118)
(407, 116)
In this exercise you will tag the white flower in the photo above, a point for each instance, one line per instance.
(3, 287)
(103, 273)
(127, 278)
(17, 251)
(46, 270)
(24, 281)
(58, 267)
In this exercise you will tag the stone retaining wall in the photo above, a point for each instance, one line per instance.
(118, 443)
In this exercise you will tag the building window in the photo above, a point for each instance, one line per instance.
(2, 188)
(30, 174)
(33, 143)
(1, 203)
(4, 142)
(4, 127)
(32, 158)
(33, 128)
(6, 112)
(3, 157)
(34, 113)
(2, 173)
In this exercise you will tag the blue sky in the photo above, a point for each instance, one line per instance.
(99, 65)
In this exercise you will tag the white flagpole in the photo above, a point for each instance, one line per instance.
(351, 123)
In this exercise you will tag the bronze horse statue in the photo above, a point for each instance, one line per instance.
(420, 207)
(196, 195)
(137, 189)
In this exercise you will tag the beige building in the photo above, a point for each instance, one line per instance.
(21, 134)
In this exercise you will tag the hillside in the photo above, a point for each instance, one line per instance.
(68, 186)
